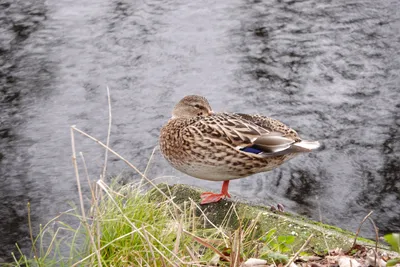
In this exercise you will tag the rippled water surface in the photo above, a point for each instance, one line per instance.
(330, 69)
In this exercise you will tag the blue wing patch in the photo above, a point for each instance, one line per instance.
(251, 150)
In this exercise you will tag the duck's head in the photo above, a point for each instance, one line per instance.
(192, 106)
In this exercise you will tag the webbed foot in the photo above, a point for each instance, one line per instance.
(209, 197)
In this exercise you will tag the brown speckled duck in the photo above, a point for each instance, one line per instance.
(225, 146)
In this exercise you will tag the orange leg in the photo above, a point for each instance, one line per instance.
(209, 197)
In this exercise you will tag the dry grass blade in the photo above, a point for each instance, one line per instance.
(178, 236)
(105, 246)
(320, 220)
(77, 175)
(31, 231)
(147, 167)
(150, 159)
(208, 245)
(236, 245)
(253, 225)
(376, 239)
(108, 133)
(150, 247)
(359, 228)
(300, 250)
(87, 177)
(84, 220)
(128, 163)
(103, 186)
(94, 210)
(162, 263)
(192, 255)
(208, 220)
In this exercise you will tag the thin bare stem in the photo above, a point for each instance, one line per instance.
(74, 163)
(127, 162)
(359, 228)
(150, 247)
(202, 212)
(320, 220)
(52, 242)
(236, 245)
(102, 185)
(15, 259)
(206, 244)
(94, 205)
(376, 238)
(300, 250)
(84, 220)
(106, 245)
(87, 176)
(150, 159)
(178, 236)
(147, 167)
(108, 134)
(31, 233)
(191, 254)
(96, 216)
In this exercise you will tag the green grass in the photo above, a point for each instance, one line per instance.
(123, 226)
(129, 228)
(394, 241)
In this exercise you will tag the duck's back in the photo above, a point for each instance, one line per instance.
(271, 125)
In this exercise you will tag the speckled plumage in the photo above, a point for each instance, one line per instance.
(226, 146)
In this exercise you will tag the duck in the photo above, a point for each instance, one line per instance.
(226, 146)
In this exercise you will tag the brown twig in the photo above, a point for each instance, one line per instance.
(300, 250)
(84, 219)
(73, 127)
(376, 238)
(133, 225)
(108, 134)
(31, 234)
(359, 228)
(106, 245)
(146, 236)
(206, 244)
(320, 220)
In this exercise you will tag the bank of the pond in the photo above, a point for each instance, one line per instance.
(167, 227)
(324, 236)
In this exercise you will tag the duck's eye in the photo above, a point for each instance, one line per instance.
(197, 106)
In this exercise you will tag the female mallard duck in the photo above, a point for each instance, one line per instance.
(225, 146)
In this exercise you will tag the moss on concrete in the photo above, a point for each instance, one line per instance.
(324, 236)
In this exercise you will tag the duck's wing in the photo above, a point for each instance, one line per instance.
(256, 135)
(225, 127)
(235, 131)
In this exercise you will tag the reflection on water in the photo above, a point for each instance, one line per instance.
(327, 68)
(21, 77)
(387, 191)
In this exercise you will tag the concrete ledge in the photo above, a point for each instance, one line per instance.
(326, 237)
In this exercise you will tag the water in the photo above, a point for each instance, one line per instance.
(329, 69)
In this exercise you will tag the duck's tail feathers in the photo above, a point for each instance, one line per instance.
(278, 149)
(306, 146)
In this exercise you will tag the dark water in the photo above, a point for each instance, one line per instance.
(330, 69)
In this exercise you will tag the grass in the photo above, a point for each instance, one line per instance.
(137, 229)
(125, 227)
(128, 226)
(394, 241)
(122, 226)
